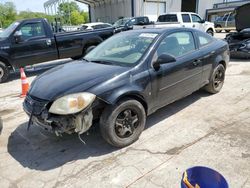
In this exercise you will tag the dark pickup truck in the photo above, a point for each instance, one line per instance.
(32, 41)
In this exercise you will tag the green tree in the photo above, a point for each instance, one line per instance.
(7, 14)
(65, 11)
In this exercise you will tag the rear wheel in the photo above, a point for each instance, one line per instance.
(122, 124)
(217, 80)
(4, 72)
(227, 31)
(218, 29)
(210, 32)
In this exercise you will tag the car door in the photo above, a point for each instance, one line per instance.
(34, 46)
(197, 22)
(176, 80)
(231, 21)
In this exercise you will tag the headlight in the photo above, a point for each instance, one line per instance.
(72, 104)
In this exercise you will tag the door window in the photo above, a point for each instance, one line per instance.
(186, 18)
(31, 30)
(177, 44)
(196, 18)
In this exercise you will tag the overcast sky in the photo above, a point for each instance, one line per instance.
(33, 5)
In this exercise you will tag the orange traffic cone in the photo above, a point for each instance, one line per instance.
(25, 83)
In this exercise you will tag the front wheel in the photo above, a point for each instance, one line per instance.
(122, 124)
(217, 80)
(4, 72)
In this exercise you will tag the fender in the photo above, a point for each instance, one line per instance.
(4, 58)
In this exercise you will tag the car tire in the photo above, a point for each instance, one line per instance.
(89, 49)
(217, 80)
(210, 32)
(218, 31)
(123, 123)
(4, 72)
(227, 31)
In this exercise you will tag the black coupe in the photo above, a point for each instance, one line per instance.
(125, 79)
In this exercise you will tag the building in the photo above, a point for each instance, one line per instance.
(220, 9)
(111, 10)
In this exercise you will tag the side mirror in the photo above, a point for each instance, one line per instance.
(18, 36)
(202, 21)
(163, 59)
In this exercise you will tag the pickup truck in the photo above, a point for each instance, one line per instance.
(183, 19)
(32, 41)
(126, 24)
(226, 22)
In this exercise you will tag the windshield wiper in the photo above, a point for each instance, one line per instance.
(85, 59)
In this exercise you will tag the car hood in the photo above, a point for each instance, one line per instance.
(242, 20)
(78, 76)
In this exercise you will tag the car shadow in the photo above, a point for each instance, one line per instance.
(38, 69)
(39, 150)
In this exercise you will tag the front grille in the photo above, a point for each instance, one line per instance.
(35, 105)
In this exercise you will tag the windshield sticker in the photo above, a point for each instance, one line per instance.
(148, 35)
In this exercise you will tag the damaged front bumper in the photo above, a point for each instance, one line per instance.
(37, 110)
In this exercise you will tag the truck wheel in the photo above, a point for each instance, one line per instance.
(4, 72)
(123, 123)
(210, 32)
(217, 80)
(218, 27)
(89, 49)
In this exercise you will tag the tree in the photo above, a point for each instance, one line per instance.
(65, 10)
(7, 14)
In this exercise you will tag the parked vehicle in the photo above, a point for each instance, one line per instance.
(239, 42)
(126, 24)
(184, 19)
(125, 79)
(226, 22)
(94, 26)
(32, 41)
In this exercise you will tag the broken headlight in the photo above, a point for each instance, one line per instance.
(72, 104)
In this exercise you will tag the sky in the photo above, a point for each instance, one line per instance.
(33, 5)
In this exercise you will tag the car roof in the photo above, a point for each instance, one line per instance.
(163, 30)
(179, 13)
(93, 24)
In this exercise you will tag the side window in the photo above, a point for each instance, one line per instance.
(225, 17)
(168, 18)
(32, 30)
(186, 18)
(204, 39)
(177, 44)
(195, 18)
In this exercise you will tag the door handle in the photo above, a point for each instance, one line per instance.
(197, 62)
(193, 25)
(48, 42)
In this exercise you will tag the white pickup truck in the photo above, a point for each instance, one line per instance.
(183, 19)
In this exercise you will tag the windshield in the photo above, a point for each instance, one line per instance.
(124, 49)
(6, 33)
(121, 22)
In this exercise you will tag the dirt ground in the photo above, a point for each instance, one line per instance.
(199, 130)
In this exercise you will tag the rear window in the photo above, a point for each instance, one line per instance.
(204, 39)
(168, 18)
(186, 18)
